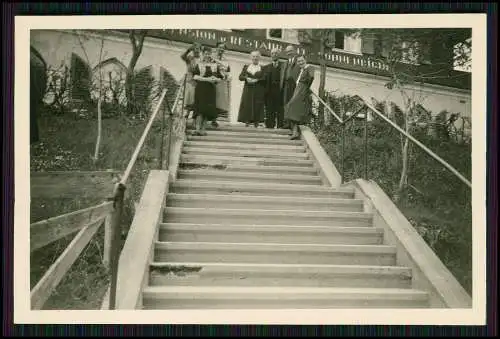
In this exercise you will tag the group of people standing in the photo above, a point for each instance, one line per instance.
(276, 94)
(207, 92)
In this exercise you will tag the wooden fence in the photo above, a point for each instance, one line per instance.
(106, 185)
(86, 221)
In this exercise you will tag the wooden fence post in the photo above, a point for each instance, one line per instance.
(107, 240)
(115, 236)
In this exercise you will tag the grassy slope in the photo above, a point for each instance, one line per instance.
(436, 203)
(67, 143)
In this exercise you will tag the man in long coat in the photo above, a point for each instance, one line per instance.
(275, 77)
(291, 73)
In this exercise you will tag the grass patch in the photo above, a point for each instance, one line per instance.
(67, 143)
(435, 202)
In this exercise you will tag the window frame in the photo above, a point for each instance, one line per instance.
(296, 42)
(360, 53)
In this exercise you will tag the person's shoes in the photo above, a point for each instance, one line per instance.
(295, 137)
(215, 124)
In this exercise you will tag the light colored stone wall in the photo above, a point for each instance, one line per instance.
(57, 47)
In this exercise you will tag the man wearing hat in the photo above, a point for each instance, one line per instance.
(275, 76)
(291, 73)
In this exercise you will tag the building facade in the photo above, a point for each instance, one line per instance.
(355, 65)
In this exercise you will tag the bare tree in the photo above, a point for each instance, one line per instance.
(402, 50)
(137, 41)
(100, 87)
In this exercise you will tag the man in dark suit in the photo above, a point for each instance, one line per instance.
(275, 76)
(291, 73)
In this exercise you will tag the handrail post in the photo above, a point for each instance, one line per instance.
(366, 144)
(162, 146)
(183, 95)
(170, 129)
(114, 256)
(342, 124)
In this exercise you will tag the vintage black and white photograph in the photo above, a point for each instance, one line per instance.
(259, 169)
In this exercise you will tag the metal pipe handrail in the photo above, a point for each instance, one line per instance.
(327, 107)
(138, 148)
(400, 130)
(419, 144)
(179, 90)
(171, 110)
(118, 196)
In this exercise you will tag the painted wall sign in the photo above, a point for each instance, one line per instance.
(245, 43)
(239, 42)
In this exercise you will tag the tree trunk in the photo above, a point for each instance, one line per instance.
(99, 127)
(137, 43)
(129, 91)
(404, 170)
(322, 79)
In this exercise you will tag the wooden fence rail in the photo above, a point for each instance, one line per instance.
(103, 185)
(47, 231)
(43, 289)
(49, 185)
(70, 184)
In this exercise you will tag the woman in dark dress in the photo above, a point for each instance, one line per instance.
(207, 74)
(252, 99)
(223, 88)
(298, 110)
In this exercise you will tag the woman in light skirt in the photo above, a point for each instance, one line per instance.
(191, 57)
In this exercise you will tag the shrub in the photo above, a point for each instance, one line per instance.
(436, 202)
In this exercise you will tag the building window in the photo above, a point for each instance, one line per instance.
(286, 35)
(347, 42)
(339, 40)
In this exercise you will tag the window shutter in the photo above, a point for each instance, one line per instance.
(304, 36)
(290, 35)
(385, 48)
(368, 43)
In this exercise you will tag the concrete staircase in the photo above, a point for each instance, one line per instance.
(249, 224)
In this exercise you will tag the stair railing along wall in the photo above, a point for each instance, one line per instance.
(125, 288)
(412, 251)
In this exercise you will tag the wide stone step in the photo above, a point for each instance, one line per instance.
(173, 232)
(249, 168)
(240, 128)
(259, 133)
(275, 253)
(266, 217)
(251, 188)
(205, 159)
(250, 140)
(184, 297)
(217, 274)
(257, 154)
(263, 202)
(222, 175)
(244, 146)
